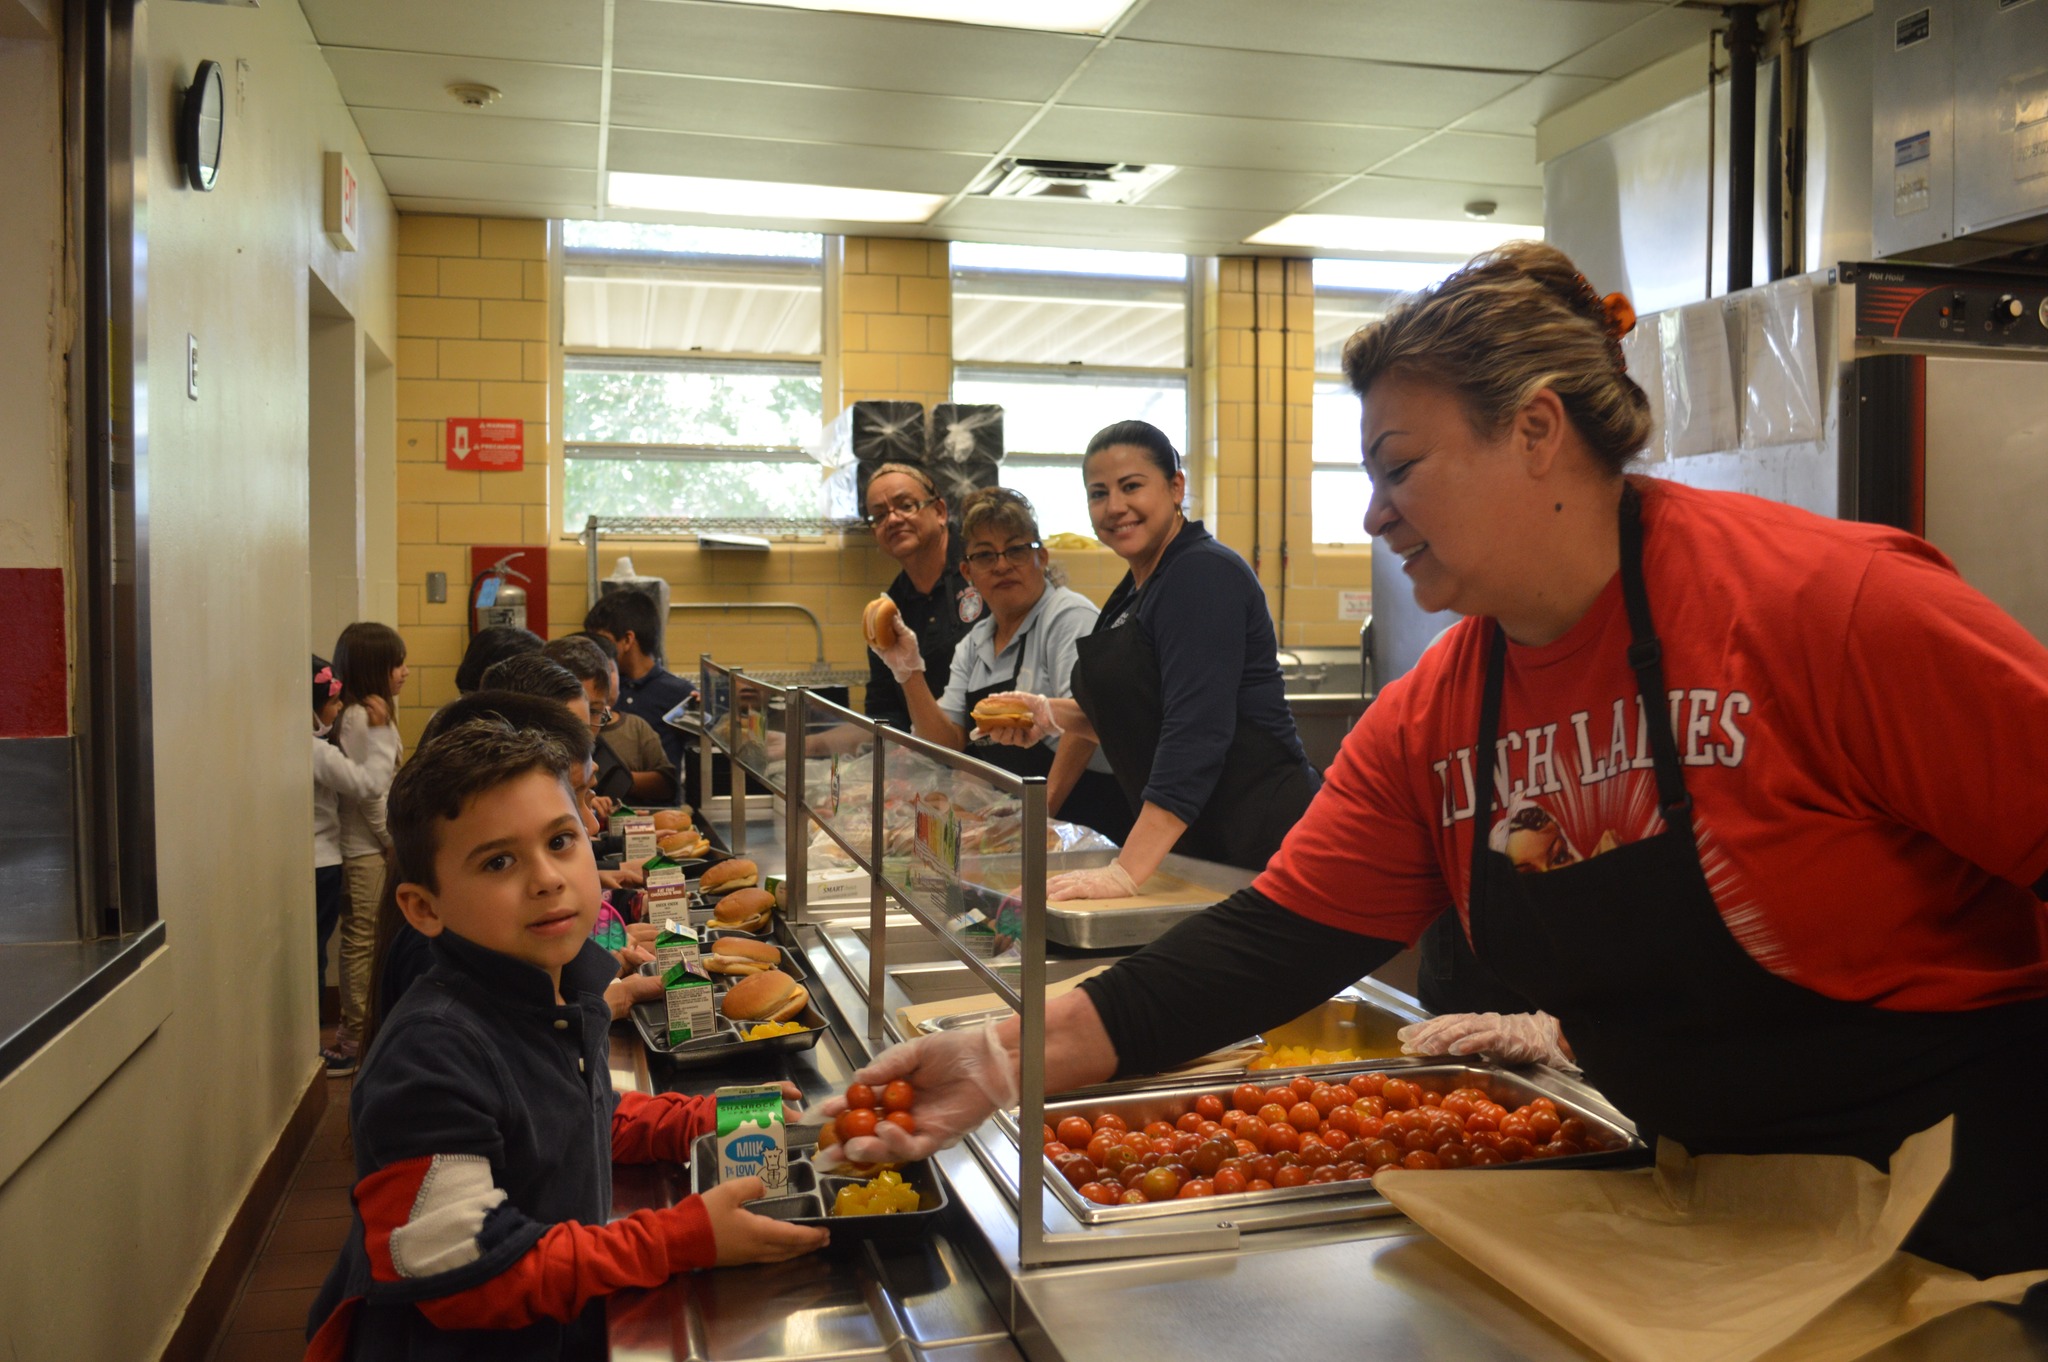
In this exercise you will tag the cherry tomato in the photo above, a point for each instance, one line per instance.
(1485, 1156)
(1230, 1181)
(1370, 1106)
(1458, 1105)
(1258, 1185)
(1327, 1173)
(1116, 1160)
(1345, 1094)
(1189, 1122)
(1369, 1127)
(1336, 1137)
(1431, 1098)
(898, 1096)
(1345, 1119)
(1544, 1125)
(1366, 1085)
(903, 1120)
(1516, 1124)
(1273, 1114)
(860, 1095)
(1293, 1175)
(1317, 1155)
(1209, 1129)
(1048, 1136)
(1187, 1142)
(1194, 1188)
(1455, 1155)
(1209, 1156)
(1109, 1120)
(1209, 1107)
(1132, 1176)
(1514, 1148)
(1573, 1129)
(1075, 1132)
(1248, 1097)
(856, 1122)
(1483, 1139)
(1556, 1149)
(1543, 1104)
(1099, 1145)
(1281, 1097)
(1282, 1138)
(1285, 1157)
(1132, 1197)
(1102, 1194)
(1137, 1142)
(1245, 1148)
(1303, 1086)
(1400, 1095)
(1261, 1168)
(1420, 1158)
(1304, 1116)
(1324, 1100)
(1482, 1120)
(1160, 1184)
(1381, 1152)
(1159, 1130)
(1076, 1168)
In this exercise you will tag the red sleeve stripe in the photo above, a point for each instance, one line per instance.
(646, 1129)
(422, 1217)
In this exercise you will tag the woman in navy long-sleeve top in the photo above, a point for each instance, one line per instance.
(1179, 684)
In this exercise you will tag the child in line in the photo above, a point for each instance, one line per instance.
(371, 660)
(631, 765)
(484, 1120)
(633, 623)
(334, 776)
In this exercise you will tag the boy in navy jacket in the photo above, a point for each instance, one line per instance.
(484, 1121)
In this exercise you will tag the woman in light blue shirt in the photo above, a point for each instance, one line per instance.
(1024, 642)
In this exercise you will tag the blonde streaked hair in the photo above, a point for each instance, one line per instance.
(1511, 323)
(1001, 512)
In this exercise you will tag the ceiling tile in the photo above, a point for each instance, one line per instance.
(746, 158)
(1519, 111)
(520, 30)
(1101, 220)
(1500, 35)
(1490, 158)
(1664, 32)
(1200, 187)
(404, 80)
(808, 113)
(471, 137)
(1167, 77)
(405, 175)
(1086, 134)
(1382, 196)
(755, 42)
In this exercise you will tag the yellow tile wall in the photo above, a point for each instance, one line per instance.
(473, 327)
(1254, 442)
(895, 323)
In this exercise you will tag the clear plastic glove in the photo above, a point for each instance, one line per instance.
(1042, 722)
(1517, 1037)
(901, 657)
(1111, 881)
(962, 1078)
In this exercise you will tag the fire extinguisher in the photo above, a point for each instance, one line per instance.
(494, 599)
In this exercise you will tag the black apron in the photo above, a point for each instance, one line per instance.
(1094, 802)
(1675, 1022)
(1263, 791)
(614, 779)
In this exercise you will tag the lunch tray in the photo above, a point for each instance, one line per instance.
(723, 1045)
(792, 963)
(779, 931)
(809, 1198)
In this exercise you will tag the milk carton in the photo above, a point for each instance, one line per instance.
(750, 1135)
(685, 987)
(668, 891)
(640, 836)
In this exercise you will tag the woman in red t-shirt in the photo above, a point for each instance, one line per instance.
(1762, 824)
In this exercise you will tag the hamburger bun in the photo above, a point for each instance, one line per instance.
(744, 910)
(740, 955)
(878, 622)
(770, 995)
(738, 873)
(990, 715)
(671, 820)
(683, 845)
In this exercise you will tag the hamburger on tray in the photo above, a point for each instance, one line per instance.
(769, 996)
(739, 956)
(744, 910)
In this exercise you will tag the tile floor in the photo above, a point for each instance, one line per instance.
(268, 1321)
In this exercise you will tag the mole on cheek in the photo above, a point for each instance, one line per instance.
(1560, 506)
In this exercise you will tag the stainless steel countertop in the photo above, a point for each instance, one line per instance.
(1366, 1290)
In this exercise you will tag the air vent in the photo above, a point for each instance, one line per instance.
(1087, 181)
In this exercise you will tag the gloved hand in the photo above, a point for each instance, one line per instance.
(1111, 881)
(1042, 722)
(901, 657)
(961, 1077)
(1517, 1037)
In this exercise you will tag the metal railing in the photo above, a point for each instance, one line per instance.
(732, 700)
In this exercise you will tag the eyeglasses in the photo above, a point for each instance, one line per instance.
(599, 717)
(1016, 555)
(903, 506)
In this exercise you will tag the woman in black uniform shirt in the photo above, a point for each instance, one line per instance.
(1179, 684)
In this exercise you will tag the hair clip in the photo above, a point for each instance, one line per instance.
(1621, 314)
(333, 684)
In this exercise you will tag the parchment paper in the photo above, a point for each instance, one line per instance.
(1723, 1258)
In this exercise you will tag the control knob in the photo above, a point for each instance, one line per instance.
(2008, 310)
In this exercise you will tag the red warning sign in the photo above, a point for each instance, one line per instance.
(486, 444)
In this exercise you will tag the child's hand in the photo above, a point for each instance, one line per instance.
(631, 958)
(378, 710)
(621, 994)
(642, 934)
(743, 1237)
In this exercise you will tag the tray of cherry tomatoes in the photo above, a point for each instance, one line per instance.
(1204, 1148)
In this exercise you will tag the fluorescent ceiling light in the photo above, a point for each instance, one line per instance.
(767, 199)
(1407, 236)
(1053, 16)
(1381, 276)
(979, 255)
